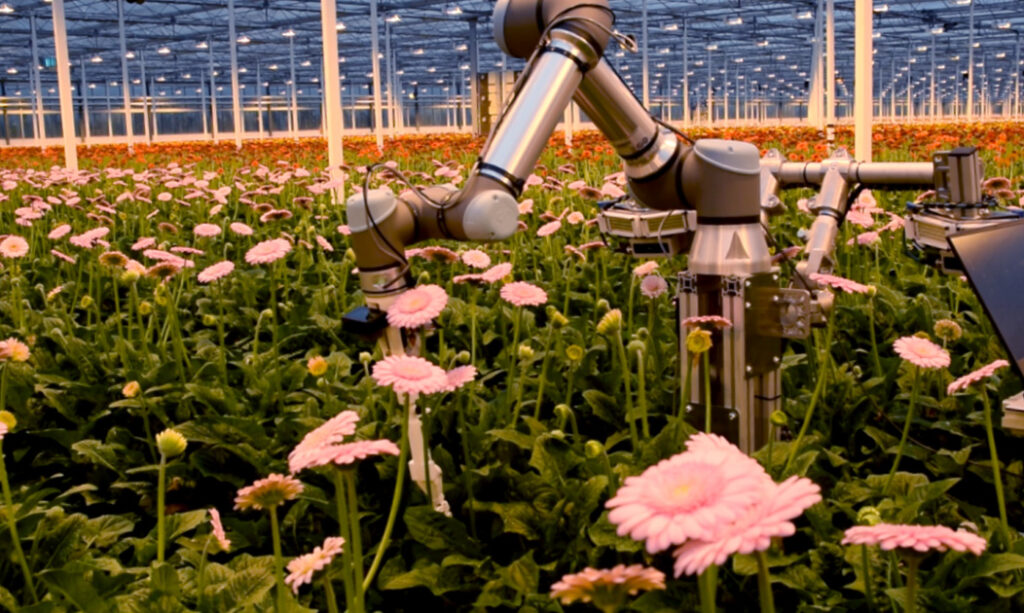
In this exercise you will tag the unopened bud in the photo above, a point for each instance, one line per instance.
(642, 334)
(423, 278)
(779, 418)
(593, 449)
(8, 419)
(610, 323)
(636, 346)
(170, 443)
(869, 516)
(145, 307)
(526, 352)
(85, 302)
(948, 330)
(131, 389)
(209, 320)
(365, 357)
(602, 306)
(574, 353)
(463, 357)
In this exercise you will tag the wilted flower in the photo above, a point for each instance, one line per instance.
(948, 330)
(268, 492)
(607, 588)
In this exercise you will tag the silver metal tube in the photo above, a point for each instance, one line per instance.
(516, 143)
(616, 112)
(799, 174)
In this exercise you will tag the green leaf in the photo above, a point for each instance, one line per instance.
(516, 517)
(552, 457)
(995, 563)
(603, 534)
(164, 579)
(74, 586)
(427, 576)
(100, 453)
(523, 575)
(438, 531)
(7, 600)
(604, 406)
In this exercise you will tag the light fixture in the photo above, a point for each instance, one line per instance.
(161, 79)
(462, 47)
(734, 21)
(243, 70)
(1005, 25)
(272, 67)
(712, 47)
(96, 59)
(394, 18)
(922, 48)
(243, 40)
(340, 27)
(129, 55)
(1001, 55)
(780, 58)
(670, 27)
(938, 30)
(164, 50)
(12, 70)
(961, 2)
(417, 51)
(805, 15)
(453, 10)
(289, 33)
(201, 45)
(762, 43)
(306, 63)
(6, 9)
(882, 8)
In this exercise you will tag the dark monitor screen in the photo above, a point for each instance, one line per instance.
(993, 259)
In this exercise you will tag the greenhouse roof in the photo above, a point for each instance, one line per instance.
(766, 41)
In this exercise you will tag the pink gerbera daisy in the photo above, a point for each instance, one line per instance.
(497, 272)
(645, 269)
(324, 243)
(349, 453)
(331, 432)
(769, 517)
(697, 494)
(575, 218)
(206, 230)
(144, 243)
(549, 228)
(268, 251)
(915, 538)
(840, 283)
(269, 492)
(218, 530)
(607, 588)
(474, 258)
(240, 229)
(417, 307)
(216, 271)
(698, 321)
(457, 377)
(979, 375)
(521, 293)
(653, 286)
(302, 568)
(467, 278)
(410, 375)
(13, 247)
(921, 352)
(59, 232)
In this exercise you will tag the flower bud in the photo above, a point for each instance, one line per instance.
(365, 357)
(129, 276)
(556, 318)
(948, 330)
(131, 389)
(526, 352)
(593, 449)
(872, 290)
(574, 353)
(209, 320)
(170, 443)
(350, 255)
(642, 334)
(562, 412)
(85, 302)
(610, 323)
(635, 346)
(9, 419)
(698, 341)
(779, 418)
(317, 366)
(145, 307)
(463, 357)
(602, 306)
(266, 314)
(869, 516)
(423, 278)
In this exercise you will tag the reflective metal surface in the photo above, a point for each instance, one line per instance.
(734, 249)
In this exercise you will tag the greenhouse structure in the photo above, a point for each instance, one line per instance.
(512, 305)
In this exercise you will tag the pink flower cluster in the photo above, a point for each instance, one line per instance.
(709, 502)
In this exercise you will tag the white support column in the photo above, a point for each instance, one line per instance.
(110, 113)
(931, 104)
(725, 87)
(378, 119)
(711, 91)
(332, 95)
(214, 131)
(686, 74)
(1016, 82)
(126, 84)
(153, 109)
(40, 131)
(295, 87)
(146, 92)
(390, 78)
(970, 64)
(910, 86)
(202, 101)
(86, 130)
(645, 59)
(259, 100)
(67, 111)
(474, 78)
(863, 59)
(830, 70)
(236, 105)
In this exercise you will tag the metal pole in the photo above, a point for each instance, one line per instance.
(1016, 72)
(830, 71)
(931, 103)
(129, 128)
(153, 108)
(863, 58)
(645, 59)
(378, 120)
(970, 65)
(259, 100)
(110, 113)
(711, 100)
(474, 78)
(40, 114)
(202, 101)
(213, 93)
(236, 105)
(686, 74)
(86, 130)
(910, 87)
(145, 97)
(295, 86)
(390, 78)
(332, 95)
(67, 111)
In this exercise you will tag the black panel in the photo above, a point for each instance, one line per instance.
(993, 259)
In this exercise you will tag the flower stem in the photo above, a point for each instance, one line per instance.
(332, 599)
(818, 389)
(12, 522)
(996, 477)
(514, 360)
(396, 498)
(467, 474)
(912, 564)
(357, 540)
(275, 533)
(869, 588)
(707, 583)
(707, 392)
(874, 343)
(685, 397)
(641, 394)
(543, 371)
(906, 429)
(344, 530)
(161, 526)
(764, 584)
(633, 435)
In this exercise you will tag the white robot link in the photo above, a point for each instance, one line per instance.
(715, 190)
